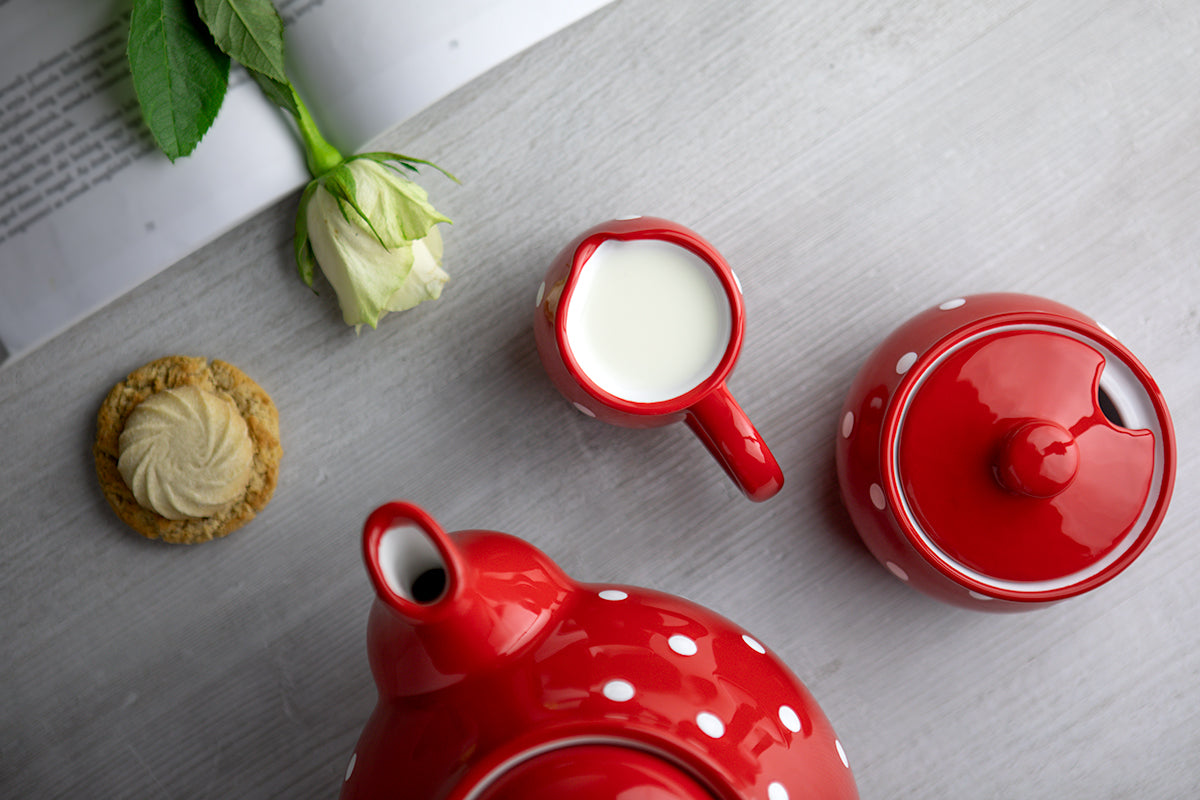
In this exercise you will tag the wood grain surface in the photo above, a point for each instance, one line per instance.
(856, 163)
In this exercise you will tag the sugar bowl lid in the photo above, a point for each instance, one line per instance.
(1031, 455)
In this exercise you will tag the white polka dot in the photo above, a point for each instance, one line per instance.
(613, 594)
(682, 645)
(847, 424)
(841, 753)
(618, 691)
(897, 570)
(753, 644)
(951, 304)
(789, 718)
(350, 766)
(711, 724)
(541, 294)
(877, 497)
(776, 791)
(906, 361)
(978, 596)
(582, 409)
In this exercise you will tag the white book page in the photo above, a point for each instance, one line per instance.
(362, 66)
(88, 206)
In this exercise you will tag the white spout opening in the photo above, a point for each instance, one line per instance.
(411, 565)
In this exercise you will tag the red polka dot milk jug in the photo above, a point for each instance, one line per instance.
(1003, 451)
(500, 678)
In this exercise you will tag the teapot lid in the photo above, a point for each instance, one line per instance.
(1031, 460)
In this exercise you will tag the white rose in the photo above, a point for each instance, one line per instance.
(373, 233)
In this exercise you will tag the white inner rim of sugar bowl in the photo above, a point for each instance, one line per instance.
(1132, 402)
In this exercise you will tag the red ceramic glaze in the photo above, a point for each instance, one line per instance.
(977, 461)
(595, 772)
(709, 410)
(501, 678)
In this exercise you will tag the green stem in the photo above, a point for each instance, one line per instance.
(320, 155)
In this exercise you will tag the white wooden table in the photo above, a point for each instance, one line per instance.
(856, 163)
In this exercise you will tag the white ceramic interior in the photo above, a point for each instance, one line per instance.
(405, 554)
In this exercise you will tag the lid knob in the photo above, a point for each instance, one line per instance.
(1037, 459)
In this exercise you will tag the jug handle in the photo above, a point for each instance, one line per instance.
(719, 422)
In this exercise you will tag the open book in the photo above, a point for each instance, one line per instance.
(88, 206)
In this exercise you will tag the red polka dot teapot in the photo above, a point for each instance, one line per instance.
(500, 678)
(1002, 451)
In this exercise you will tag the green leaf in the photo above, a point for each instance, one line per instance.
(179, 74)
(340, 183)
(248, 31)
(281, 94)
(407, 162)
(305, 258)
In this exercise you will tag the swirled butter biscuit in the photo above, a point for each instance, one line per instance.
(185, 453)
(187, 450)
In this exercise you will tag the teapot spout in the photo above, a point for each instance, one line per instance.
(410, 560)
(450, 605)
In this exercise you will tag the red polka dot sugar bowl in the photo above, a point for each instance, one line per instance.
(500, 678)
(1003, 451)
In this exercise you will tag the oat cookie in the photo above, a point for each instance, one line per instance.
(226, 382)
